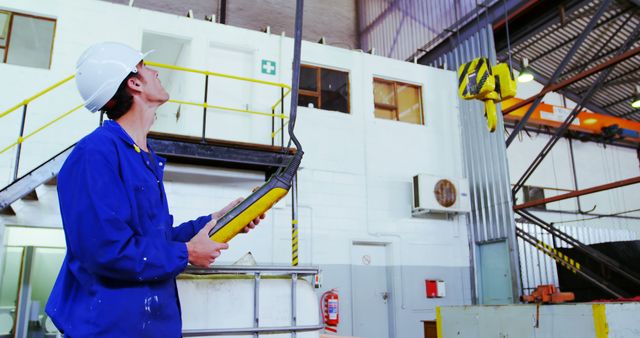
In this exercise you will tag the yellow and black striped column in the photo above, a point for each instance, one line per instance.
(294, 242)
(294, 221)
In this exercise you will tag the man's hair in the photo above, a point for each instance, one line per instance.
(121, 101)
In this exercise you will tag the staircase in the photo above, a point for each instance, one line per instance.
(595, 257)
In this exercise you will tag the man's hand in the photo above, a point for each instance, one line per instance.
(232, 205)
(202, 250)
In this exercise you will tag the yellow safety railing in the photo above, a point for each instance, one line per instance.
(27, 101)
(21, 139)
(240, 78)
(286, 91)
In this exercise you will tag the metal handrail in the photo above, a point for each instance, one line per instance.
(206, 72)
(21, 138)
(32, 98)
(247, 111)
(285, 269)
(247, 331)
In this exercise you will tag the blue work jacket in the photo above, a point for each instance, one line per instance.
(123, 253)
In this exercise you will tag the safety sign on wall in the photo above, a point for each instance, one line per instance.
(268, 67)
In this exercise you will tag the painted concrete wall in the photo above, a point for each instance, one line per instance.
(355, 182)
(570, 320)
(277, 14)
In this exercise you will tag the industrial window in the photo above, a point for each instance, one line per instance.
(532, 193)
(26, 40)
(324, 89)
(397, 101)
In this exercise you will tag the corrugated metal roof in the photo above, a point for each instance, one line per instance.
(546, 49)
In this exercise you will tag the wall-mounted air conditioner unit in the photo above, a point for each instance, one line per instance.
(432, 194)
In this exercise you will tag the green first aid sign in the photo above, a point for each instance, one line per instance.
(268, 67)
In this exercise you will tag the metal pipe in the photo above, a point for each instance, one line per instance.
(256, 302)
(23, 301)
(204, 109)
(216, 269)
(250, 330)
(282, 117)
(556, 74)
(595, 215)
(19, 148)
(294, 300)
(577, 193)
(574, 173)
(573, 79)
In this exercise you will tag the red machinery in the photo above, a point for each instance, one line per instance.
(548, 294)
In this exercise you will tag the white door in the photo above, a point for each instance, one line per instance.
(370, 290)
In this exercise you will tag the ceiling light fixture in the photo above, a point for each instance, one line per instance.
(525, 72)
(635, 103)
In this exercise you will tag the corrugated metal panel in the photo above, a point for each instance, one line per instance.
(398, 28)
(546, 49)
(485, 162)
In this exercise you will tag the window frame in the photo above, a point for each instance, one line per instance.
(7, 37)
(394, 107)
(7, 45)
(318, 93)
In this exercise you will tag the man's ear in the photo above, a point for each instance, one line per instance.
(134, 84)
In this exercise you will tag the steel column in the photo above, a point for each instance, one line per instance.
(578, 193)
(556, 74)
(223, 12)
(294, 221)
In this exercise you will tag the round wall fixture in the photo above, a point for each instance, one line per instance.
(445, 192)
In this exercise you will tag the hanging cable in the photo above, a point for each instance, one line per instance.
(506, 23)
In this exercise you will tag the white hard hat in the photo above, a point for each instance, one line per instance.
(102, 68)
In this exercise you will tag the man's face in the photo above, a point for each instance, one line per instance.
(151, 88)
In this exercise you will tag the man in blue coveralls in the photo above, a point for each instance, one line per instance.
(123, 253)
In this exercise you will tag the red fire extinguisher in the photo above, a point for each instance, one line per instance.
(330, 307)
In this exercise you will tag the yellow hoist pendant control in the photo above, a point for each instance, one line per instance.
(475, 79)
(256, 204)
(505, 82)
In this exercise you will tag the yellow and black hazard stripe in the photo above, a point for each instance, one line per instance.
(294, 242)
(475, 79)
(562, 259)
